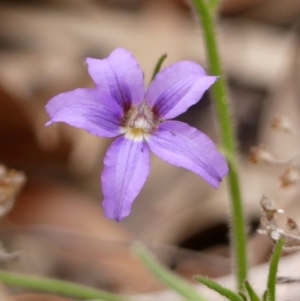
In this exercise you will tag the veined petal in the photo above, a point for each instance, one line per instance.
(181, 145)
(126, 167)
(177, 87)
(88, 109)
(119, 75)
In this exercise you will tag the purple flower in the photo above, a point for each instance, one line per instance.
(120, 107)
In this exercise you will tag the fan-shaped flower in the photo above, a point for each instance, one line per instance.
(120, 107)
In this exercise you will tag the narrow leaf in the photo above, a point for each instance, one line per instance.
(265, 295)
(229, 294)
(271, 285)
(165, 276)
(158, 65)
(59, 287)
(243, 296)
(252, 294)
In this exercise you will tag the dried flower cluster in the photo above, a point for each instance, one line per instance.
(268, 220)
(290, 176)
(259, 154)
(291, 232)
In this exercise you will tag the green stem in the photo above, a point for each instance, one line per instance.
(221, 103)
(213, 5)
(59, 287)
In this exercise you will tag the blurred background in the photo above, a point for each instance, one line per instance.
(57, 220)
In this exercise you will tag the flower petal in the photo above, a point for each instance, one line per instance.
(87, 109)
(126, 167)
(119, 75)
(181, 145)
(177, 87)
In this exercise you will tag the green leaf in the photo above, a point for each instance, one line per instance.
(271, 284)
(158, 65)
(265, 295)
(165, 276)
(231, 295)
(243, 296)
(58, 287)
(252, 294)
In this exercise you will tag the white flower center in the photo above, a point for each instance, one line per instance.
(139, 122)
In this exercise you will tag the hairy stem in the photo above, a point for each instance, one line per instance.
(221, 103)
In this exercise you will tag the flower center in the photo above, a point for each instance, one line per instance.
(139, 122)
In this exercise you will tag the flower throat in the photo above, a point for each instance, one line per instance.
(139, 122)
